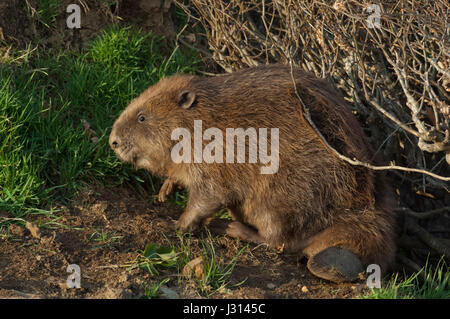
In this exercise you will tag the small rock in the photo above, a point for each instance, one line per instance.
(34, 230)
(305, 289)
(100, 207)
(48, 240)
(358, 288)
(169, 293)
(117, 293)
(123, 277)
(195, 267)
(16, 230)
(271, 286)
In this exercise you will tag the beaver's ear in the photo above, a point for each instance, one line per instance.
(186, 99)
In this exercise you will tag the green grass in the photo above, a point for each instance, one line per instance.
(45, 153)
(45, 11)
(155, 258)
(152, 292)
(431, 282)
(216, 272)
(184, 247)
(162, 261)
(101, 238)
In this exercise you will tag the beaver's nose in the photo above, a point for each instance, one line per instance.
(114, 141)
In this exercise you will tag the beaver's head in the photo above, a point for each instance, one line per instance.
(142, 133)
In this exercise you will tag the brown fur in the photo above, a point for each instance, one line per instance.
(314, 201)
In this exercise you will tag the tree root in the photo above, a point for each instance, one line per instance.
(408, 263)
(432, 242)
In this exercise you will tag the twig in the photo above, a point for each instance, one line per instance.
(109, 267)
(356, 161)
(190, 46)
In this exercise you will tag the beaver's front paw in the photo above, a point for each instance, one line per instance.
(166, 189)
(186, 223)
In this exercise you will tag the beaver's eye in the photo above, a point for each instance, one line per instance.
(141, 118)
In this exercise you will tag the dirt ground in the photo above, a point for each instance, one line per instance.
(34, 264)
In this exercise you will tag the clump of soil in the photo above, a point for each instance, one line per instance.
(34, 264)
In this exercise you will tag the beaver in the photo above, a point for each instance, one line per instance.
(338, 215)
